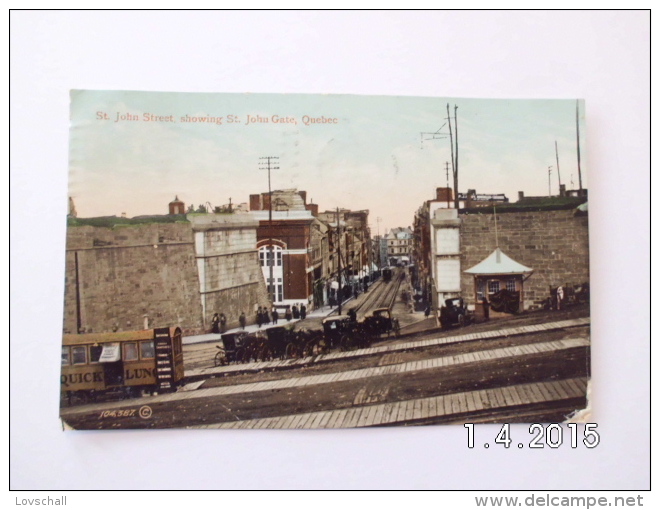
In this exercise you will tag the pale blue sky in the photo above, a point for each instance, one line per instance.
(373, 158)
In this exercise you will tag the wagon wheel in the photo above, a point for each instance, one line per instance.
(266, 353)
(240, 353)
(397, 327)
(461, 320)
(291, 350)
(220, 359)
(347, 343)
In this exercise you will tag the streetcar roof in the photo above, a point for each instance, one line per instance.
(120, 336)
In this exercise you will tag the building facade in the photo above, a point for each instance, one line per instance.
(399, 246)
(550, 236)
(293, 247)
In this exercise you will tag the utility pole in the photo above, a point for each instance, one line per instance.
(270, 258)
(380, 262)
(577, 130)
(453, 161)
(549, 173)
(557, 157)
(339, 296)
(456, 164)
(447, 176)
(453, 140)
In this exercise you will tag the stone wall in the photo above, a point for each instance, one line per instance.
(129, 271)
(174, 273)
(230, 278)
(554, 243)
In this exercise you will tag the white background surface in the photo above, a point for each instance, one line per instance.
(602, 57)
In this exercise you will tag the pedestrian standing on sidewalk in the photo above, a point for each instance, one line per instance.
(241, 319)
(303, 312)
(560, 296)
(275, 315)
(486, 305)
(287, 314)
(223, 322)
(259, 317)
(215, 323)
(427, 311)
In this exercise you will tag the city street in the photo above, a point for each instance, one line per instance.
(531, 367)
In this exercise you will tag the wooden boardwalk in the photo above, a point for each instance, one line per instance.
(402, 346)
(419, 410)
(348, 375)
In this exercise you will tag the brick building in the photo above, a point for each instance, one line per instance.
(399, 245)
(292, 245)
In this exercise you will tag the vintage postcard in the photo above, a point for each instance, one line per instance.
(324, 261)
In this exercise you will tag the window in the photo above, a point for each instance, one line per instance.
(95, 353)
(493, 286)
(511, 285)
(130, 351)
(66, 356)
(79, 354)
(266, 256)
(147, 349)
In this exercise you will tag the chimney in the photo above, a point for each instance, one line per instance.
(562, 190)
(314, 208)
(303, 195)
(521, 195)
(176, 206)
(444, 194)
(255, 203)
(265, 204)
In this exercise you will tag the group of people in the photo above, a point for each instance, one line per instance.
(218, 323)
(263, 316)
(291, 312)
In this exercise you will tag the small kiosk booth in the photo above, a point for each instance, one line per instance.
(498, 285)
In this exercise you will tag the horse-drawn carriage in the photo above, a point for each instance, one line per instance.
(346, 333)
(273, 343)
(339, 332)
(454, 313)
(382, 322)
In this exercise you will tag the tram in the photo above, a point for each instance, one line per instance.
(128, 363)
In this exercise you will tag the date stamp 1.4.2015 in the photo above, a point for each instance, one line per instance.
(551, 435)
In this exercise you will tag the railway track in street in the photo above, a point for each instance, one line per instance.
(480, 376)
(383, 295)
